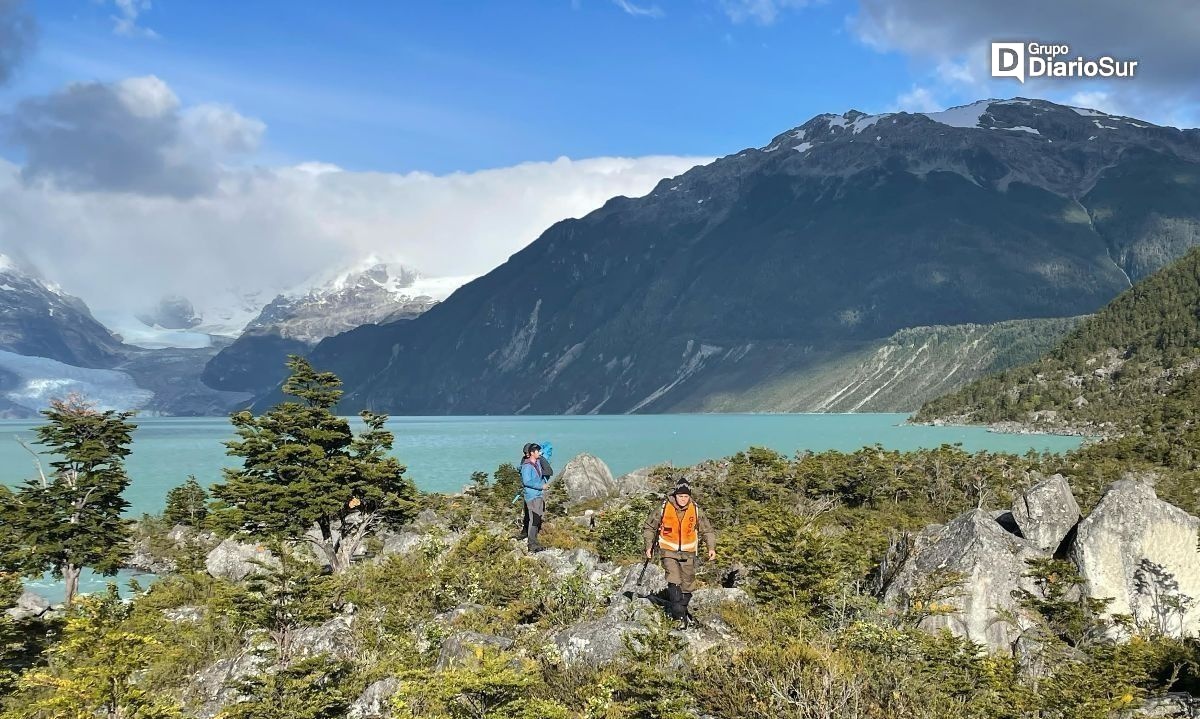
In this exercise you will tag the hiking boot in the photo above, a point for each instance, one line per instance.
(535, 550)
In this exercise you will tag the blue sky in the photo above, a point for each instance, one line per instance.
(455, 85)
(224, 146)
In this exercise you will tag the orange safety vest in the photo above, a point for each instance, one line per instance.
(677, 532)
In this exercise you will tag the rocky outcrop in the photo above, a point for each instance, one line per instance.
(1140, 552)
(991, 562)
(587, 477)
(234, 561)
(214, 687)
(598, 642)
(636, 482)
(1046, 512)
(28, 606)
(375, 701)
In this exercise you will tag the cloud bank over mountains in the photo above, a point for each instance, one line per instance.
(127, 194)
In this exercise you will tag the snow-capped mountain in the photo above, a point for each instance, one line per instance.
(747, 276)
(38, 318)
(373, 292)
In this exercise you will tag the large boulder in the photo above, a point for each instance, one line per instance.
(214, 687)
(992, 563)
(234, 561)
(587, 477)
(28, 606)
(1140, 552)
(636, 482)
(375, 701)
(598, 642)
(1046, 512)
(334, 637)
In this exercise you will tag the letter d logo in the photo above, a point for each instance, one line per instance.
(1008, 60)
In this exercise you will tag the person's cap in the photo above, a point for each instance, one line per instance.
(531, 447)
(682, 488)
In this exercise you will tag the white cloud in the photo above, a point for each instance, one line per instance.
(125, 22)
(950, 40)
(127, 136)
(763, 12)
(639, 10)
(918, 99)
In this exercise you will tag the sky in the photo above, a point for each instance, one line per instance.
(152, 147)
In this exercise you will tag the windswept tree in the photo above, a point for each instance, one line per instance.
(305, 476)
(72, 518)
(187, 504)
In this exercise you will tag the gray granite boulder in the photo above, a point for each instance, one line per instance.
(334, 637)
(598, 642)
(1046, 512)
(992, 563)
(375, 701)
(212, 687)
(28, 606)
(1140, 552)
(704, 600)
(587, 477)
(234, 561)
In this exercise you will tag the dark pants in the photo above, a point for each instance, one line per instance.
(534, 511)
(680, 568)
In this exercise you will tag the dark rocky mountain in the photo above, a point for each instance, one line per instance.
(38, 319)
(294, 322)
(836, 234)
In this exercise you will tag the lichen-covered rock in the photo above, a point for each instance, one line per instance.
(587, 477)
(28, 606)
(636, 482)
(235, 560)
(1046, 512)
(710, 598)
(460, 648)
(992, 563)
(598, 642)
(1141, 552)
(212, 687)
(334, 637)
(403, 542)
(375, 701)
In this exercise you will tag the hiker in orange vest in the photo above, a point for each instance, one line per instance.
(676, 529)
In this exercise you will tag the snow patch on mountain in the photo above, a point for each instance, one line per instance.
(135, 332)
(38, 380)
(961, 116)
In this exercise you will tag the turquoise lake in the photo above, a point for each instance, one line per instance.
(442, 452)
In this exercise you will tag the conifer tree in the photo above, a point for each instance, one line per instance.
(303, 468)
(186, 504)
(72, 518)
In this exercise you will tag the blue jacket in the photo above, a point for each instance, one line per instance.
(531, 478)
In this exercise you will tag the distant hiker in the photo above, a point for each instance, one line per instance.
(547, 472)
(676, 529)
(534, 485)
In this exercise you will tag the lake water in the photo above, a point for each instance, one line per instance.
(442, 452)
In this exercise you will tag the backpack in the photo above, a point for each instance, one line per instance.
(547, 470)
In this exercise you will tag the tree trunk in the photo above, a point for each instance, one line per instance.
(71, 583)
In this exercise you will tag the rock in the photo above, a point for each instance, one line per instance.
(654, 582)
(597, 642)
(335, 638)
(375, 701)
(403, 543)
(564, 563)
(28, 606)
(462, 610)
(1172, 705)
(212, 684)
(636, 482)
(180, 615)
(587, 477)
(234, 561)
(1141, 552)
(992, 562)
(1046, 512)
(459, 649)
(144, 560)
(709, 599)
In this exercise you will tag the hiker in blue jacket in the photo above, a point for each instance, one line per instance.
(534, 486)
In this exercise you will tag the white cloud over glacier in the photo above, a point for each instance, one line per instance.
(126, 194)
